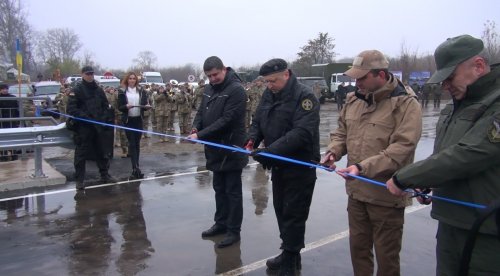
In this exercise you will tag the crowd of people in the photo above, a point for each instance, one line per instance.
(378, 130)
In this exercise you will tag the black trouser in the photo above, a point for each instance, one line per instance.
(134, 140)
(425, 100)
(89, 146)
(292, 194)
(228, 200)
(437, 100)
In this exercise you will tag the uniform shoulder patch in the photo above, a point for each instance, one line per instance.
(494, 132)
(307, 104)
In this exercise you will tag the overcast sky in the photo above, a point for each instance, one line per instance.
(248, 32)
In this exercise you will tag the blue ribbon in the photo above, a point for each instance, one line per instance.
(278, 157)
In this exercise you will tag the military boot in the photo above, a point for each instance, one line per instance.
(289, 264)
(275, 263)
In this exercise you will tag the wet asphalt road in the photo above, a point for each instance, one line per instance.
(153, 227)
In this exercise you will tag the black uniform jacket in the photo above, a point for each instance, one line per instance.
(221, 119)
(88, 101)
(288, 123)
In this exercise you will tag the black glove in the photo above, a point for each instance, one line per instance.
(266, 162)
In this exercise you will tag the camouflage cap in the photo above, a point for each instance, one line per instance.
(451, 53)
(366, 61)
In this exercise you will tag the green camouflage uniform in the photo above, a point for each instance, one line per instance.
(250, 99)
(161, 113)
(61, 101)
(172, 108)
(153, 108)
(198, 96)
(29, 110)
(146, 115)
(183, 100)
(120, 133)
(257, 94)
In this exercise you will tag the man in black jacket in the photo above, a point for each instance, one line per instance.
(287, 121)
(8, 108)
(221, 119)
(88, 101)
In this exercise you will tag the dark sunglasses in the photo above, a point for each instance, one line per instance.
(89, 73)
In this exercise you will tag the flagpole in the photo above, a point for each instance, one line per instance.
(19, 61)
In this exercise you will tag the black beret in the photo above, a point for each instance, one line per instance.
(272, 66)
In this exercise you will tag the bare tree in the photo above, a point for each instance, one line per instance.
(88, 59)
(13, 25)
(491, 42)
(57, 48)
(145, 61)
(59, 45)
(180, 73)
(318, 50)
(406, 62)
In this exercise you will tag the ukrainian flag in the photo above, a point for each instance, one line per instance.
(19, 57)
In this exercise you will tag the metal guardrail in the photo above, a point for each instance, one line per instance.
(35, 137)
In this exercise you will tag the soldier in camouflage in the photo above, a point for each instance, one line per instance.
(61, 101)
(198, 94)
(258, 89)
(172, 106)
(183, 100)
(161, 112)
(120, 136)
(147, 113)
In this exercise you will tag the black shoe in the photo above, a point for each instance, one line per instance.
(137, 174)
(80, 194)
(275, 263)
(229, 239)
(80, 185)
(215, 230)
(288, 264)
(106, 178)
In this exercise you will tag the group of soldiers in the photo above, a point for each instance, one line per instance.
(425, 91)
(167, 101)
(254, 92)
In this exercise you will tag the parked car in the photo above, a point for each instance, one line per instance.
(311, 81)
(26, 90)
(49, 89)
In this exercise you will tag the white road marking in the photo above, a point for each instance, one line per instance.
(106, 185)
(310, 246)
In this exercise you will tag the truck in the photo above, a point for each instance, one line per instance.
(333, 73)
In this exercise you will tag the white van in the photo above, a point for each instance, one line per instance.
(151, 78)
(110, 81)
(47, 88)
(72, 79)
